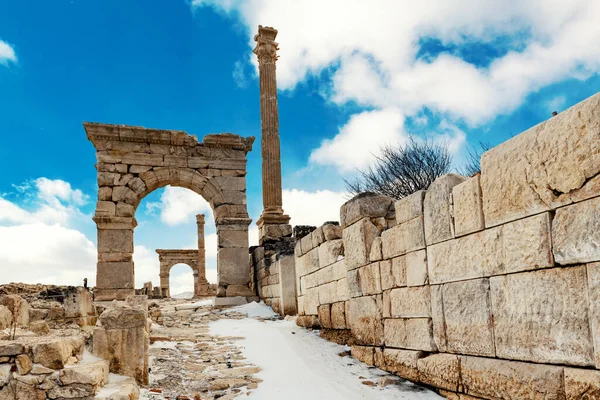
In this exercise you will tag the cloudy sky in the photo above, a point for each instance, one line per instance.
(353, 75)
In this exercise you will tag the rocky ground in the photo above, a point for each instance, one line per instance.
(199, 354)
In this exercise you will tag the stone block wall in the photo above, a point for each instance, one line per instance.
(321, 281)
(272, 275)
(487, 286)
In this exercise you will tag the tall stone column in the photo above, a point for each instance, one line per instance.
(273, 224)
(201, 286)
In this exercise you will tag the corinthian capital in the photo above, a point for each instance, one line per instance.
(266, 47)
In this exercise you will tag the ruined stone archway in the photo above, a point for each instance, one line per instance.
(169, 258)
(133, 162)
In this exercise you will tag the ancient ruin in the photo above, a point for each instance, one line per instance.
(480, 287)
(132, 162)
(195, 259)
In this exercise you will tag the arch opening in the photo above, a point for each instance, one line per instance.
(133, 162)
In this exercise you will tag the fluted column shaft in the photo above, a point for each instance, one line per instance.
(271, 165)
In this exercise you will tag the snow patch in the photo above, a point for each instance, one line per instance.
(297, 364)
(253, 310)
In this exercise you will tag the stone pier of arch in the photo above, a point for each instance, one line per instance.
(133, 162)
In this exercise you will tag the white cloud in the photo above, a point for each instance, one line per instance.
(41, 253)
(373, 50)
(7, 53)
(49, 201)
(180, 205)
(357, 141)
(376, 46)
(37, 244)
(312, 208)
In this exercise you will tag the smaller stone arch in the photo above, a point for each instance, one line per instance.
(169, 258)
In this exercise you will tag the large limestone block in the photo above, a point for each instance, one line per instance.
(467, 207)
(518, 246)
(409, 207)
(376, 251)
(232, 238)
(437, 317)
(358, 239)
(330, 252)
(582, 384)
(311, 301)
(233, 265)
(324, 313)
(342, 290)
(54, 352)
(115, 275)
(338, 315)
(410, 302)
(576, 232)
(543, 167)
(115, 240)
(18, 307)
(364, 354)
(332, 232)
(328, 293)
(317, 236)
(416, 268)
(440, 371)
(94, 374)
(467, 318)
(393, 272)
(403, 363)
(122, 339)
(79, 303)
(437, 208)
(500, 379)
(466, 257)
(308, 263)
(542, 316)
(409, 333)
(364, 318)
(364, 205)
(527, 244)
(593, 276)
(306, 243)
(5, 317)
(403, 238)
(369, 279)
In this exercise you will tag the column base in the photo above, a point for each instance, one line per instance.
(272, 227)
(103, 294)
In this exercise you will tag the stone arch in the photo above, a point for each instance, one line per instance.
(168, 259)
(135, 161)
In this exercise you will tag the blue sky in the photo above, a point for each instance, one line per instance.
(345, 89)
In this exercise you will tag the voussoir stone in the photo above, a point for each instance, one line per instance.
(364, 205)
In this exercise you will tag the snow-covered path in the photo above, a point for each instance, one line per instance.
(298, 364)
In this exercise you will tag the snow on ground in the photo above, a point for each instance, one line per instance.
(298, 364)
(253, 310)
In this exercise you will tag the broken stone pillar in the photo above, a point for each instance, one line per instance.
(79, 307)
(201, 286)
(164, 283)
(273, 223)
(114, 274)
(287, 283)
(122, 339)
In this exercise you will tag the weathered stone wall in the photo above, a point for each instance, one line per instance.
(273, 276)
(321, 279)
(487, 286)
